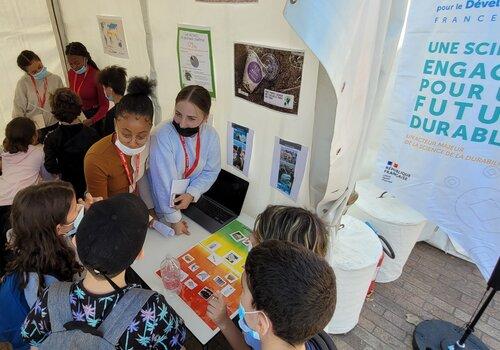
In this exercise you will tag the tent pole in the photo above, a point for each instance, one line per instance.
(56, 20)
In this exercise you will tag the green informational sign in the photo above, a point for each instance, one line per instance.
(194, 53)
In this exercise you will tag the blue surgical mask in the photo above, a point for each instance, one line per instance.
(110, 97)
(77, 221)
(41, 74)
(244, 325)
(82, 70)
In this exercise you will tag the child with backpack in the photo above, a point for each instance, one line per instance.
(66, 146)
(102, 311)
(21, 166)
(288, 297)
(41, 216)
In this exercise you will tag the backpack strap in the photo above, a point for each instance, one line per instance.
(59, 306)
(123, 314)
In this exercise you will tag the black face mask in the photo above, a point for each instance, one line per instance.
(186, 132)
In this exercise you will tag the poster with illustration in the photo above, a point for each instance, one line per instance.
(194, 53)
(113, 36)
(268, 76)
(215, 264)
(289, 163)
(239, 147)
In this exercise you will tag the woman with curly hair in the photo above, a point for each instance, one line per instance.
(66, 146)
(42, 215)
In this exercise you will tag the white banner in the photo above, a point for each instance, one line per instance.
(441, 149)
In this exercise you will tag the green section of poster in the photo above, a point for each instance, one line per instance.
(194, 54)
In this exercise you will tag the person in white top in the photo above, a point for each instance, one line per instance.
(31, 98)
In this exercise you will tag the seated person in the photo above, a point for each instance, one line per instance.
(42, 215)
(66, 146)
(114, 81)
(109, 238)
(288, 296)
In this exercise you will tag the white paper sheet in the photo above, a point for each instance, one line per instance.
(178, 187)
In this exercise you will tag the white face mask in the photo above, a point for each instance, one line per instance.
(127, 150)
(76, 222)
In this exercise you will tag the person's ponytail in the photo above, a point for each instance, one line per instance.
(137, 100)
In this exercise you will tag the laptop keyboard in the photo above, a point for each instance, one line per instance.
(215, 212)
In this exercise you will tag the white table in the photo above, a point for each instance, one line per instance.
(156, 247)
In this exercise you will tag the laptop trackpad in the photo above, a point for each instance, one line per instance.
(202, 219)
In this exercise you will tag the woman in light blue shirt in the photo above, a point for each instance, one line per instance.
(183, 148)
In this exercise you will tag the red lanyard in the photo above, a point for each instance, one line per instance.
(123, 160)
(41, 100)
(187, 170)
(80, 86)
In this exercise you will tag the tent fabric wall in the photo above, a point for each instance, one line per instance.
(261, 24)
(22, 29)
(353, 48)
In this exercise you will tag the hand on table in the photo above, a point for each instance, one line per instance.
(87, 122)
(181, 228)
(183, 201)
(217, 310)
(89, 200)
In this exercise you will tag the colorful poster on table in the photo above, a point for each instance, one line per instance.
(239, 147)
(194, 53)
(215, 264)
(113, 36)
(268, 76)
(289, 164)
(441, 150)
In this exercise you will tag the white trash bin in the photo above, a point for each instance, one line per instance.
(397, 222)
(353, 256)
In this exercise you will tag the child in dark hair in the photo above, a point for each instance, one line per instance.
(109, 239)
(31, 98)
(41, 216)
(117, 162)
(114, 81)
(288, 296)
(21, 166)
(66, 146)
(83, 81)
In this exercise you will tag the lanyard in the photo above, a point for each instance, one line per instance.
(131, 177)
(41, 100)
(80, 86)
(187, 170)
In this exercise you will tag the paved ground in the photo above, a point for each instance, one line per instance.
(433, 285)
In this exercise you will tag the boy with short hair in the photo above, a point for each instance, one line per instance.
(114, 81)
(109, 238)
(289, 296)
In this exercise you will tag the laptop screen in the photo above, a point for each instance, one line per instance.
(229, 191)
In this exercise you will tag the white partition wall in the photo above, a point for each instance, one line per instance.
(23, 29)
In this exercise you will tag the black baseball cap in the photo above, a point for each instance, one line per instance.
(112, 233)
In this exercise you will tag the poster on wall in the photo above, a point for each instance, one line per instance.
(268, 76)
(194, 53)
(113, 36)
(239, 147)
(289, 164)
(441, 149)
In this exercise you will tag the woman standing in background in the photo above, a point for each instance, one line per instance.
(32, 93)
(83, 81)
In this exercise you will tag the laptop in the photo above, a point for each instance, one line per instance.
(221, 204)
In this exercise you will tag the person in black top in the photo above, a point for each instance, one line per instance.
(66, 146)
(114, 81)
